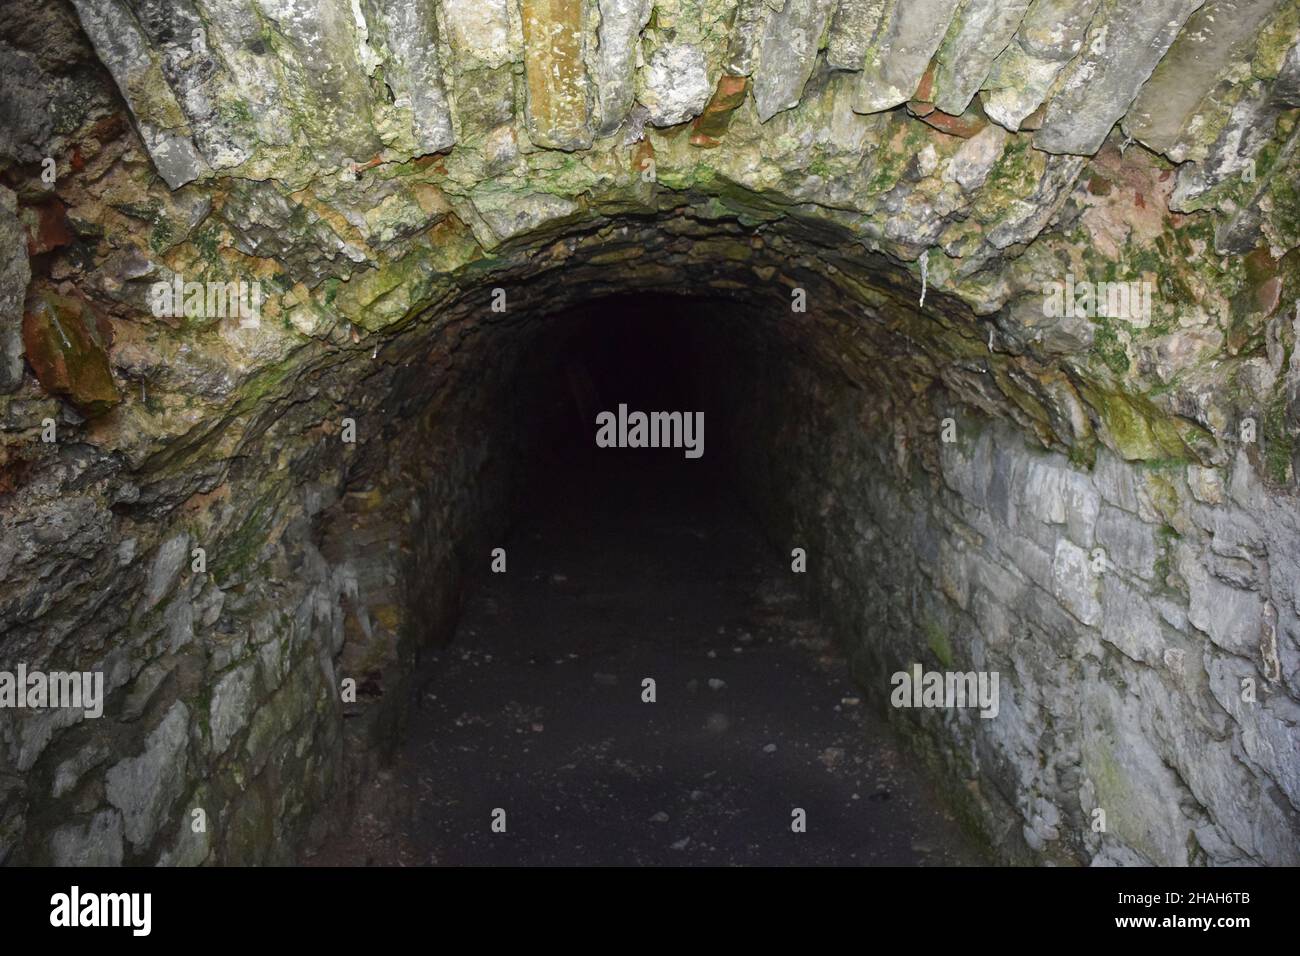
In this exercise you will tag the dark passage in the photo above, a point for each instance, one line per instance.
(536, 709)
(627, 565)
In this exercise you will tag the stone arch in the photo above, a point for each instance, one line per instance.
(932, 178)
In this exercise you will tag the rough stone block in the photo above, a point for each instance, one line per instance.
(97, 842)
(621, 22)
(1074, 583)
(1232, 618)
(1056, 494)
(1049, 36)
(853, 27)
(559, 111)
(1130, 623)
(145, 787)
(788, 54)
(1103, 83)
(229, 710)
(65, 346)
(901, 52)
(979, 32)
(1130, 543)
(674, 84)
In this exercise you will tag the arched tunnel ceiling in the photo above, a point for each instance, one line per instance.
(370, 162)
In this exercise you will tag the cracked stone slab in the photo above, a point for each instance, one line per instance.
(1119, 57)
(124, 48)
(414, 72)
(853, 28)
(558, 111)
(614, 71)
(674, 85)
(1172, 113)
(788, 54)
(981, 30)
(1050, 35)
(901, 52)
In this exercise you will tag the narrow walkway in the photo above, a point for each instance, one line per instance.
(536, 708)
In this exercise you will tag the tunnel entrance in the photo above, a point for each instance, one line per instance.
(498, 257)
(639, 676)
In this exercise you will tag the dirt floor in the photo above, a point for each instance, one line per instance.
(536, 709)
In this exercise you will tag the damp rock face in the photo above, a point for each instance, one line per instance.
(1036, 412)
(64, 347)
(15, 275)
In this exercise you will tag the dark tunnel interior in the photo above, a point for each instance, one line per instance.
(639, 676)
(647, 353)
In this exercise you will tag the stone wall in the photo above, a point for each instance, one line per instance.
(323, 562)
(1124, 681)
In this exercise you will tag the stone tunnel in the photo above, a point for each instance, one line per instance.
(309, 310)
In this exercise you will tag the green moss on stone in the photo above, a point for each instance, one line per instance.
(1137, 430)
(1108, 347)
(238, 552)
(1277, 442)
(938, 642)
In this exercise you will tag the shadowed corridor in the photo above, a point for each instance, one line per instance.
(628, 564)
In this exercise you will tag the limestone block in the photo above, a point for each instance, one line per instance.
(145, 787)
